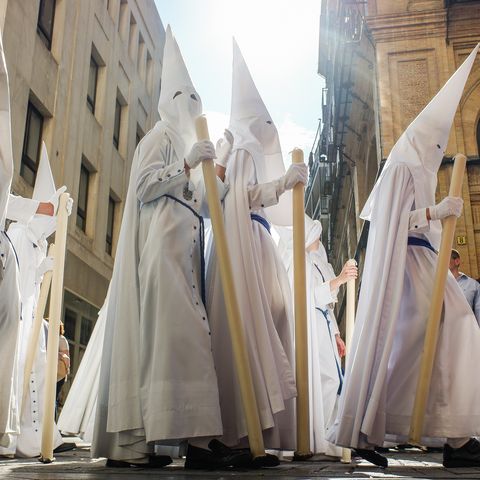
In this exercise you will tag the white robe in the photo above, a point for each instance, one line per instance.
(78, 412)
(30, 254)
(264, 298)
(9, 327)
(324, 364)
(157, 379)
(382, 370)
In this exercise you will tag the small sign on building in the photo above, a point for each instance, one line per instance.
(461, 240)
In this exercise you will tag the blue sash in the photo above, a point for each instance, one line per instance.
(420, 242)
(201, 235)
(334, 346)
(261, 220)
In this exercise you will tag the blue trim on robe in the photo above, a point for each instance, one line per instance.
(420, 242)
(261, 220)
(339, 370)
(201, 235)
(13, 248)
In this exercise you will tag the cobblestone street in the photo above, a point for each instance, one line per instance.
(77, 465)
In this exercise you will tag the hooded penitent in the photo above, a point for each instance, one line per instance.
(324, 365)
(157, 380)
(30, 242)
(397, 283)
(9, 297)
(261, 281)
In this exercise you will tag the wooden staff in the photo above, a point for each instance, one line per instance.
(349, 324)
(242, 363)
(433, 325)
(300, 302)
(46, 451)
(32, 348)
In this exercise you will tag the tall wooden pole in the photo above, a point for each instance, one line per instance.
(46, 451)
(242, 363)
(349, 325)
(32, 348)
(431, 335)
(300, 304)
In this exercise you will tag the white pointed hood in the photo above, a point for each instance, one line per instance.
(255, 132)
(42, 226)
(421, 147)
(179, 103)
(6, 156)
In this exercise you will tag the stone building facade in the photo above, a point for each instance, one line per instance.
(383, 60)
(84, 78)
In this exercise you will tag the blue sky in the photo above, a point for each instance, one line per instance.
(279, 40)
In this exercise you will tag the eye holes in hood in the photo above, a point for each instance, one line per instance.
(269, 122)
(192, 96)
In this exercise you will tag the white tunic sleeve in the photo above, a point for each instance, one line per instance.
(324, 295)
(418, 222)
(20, 209)
(262, 195)
(335, 329)
(156, 176)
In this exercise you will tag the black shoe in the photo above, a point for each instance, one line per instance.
(382, 449)
(154, 461)
(265, 461)
(64, 447)
(201, 459)
(466, 456)
(372, 456)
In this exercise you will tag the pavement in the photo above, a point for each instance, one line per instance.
(77, 465)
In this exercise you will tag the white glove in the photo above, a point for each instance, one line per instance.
(446, 208)
(203, 150)
(296, 173)
(45, 266)
(55, 197)
(223, 148)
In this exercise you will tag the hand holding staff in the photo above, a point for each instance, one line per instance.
(300, 300)
(431, 335)
(46, 451)
(242, 363)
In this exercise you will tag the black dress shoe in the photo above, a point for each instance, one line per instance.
(266, 461)
(154, 461)
(466, 456)
(64, 447)
(201, 459)
(372, 456)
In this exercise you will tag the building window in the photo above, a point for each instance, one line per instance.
(83, 197)
(92, 84)
(110, 224)
(116, 125)
(31, 144)
(79, 319)
(149, 74)
(46, 15)
(139, 135)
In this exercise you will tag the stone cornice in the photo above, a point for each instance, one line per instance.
(408, 26)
